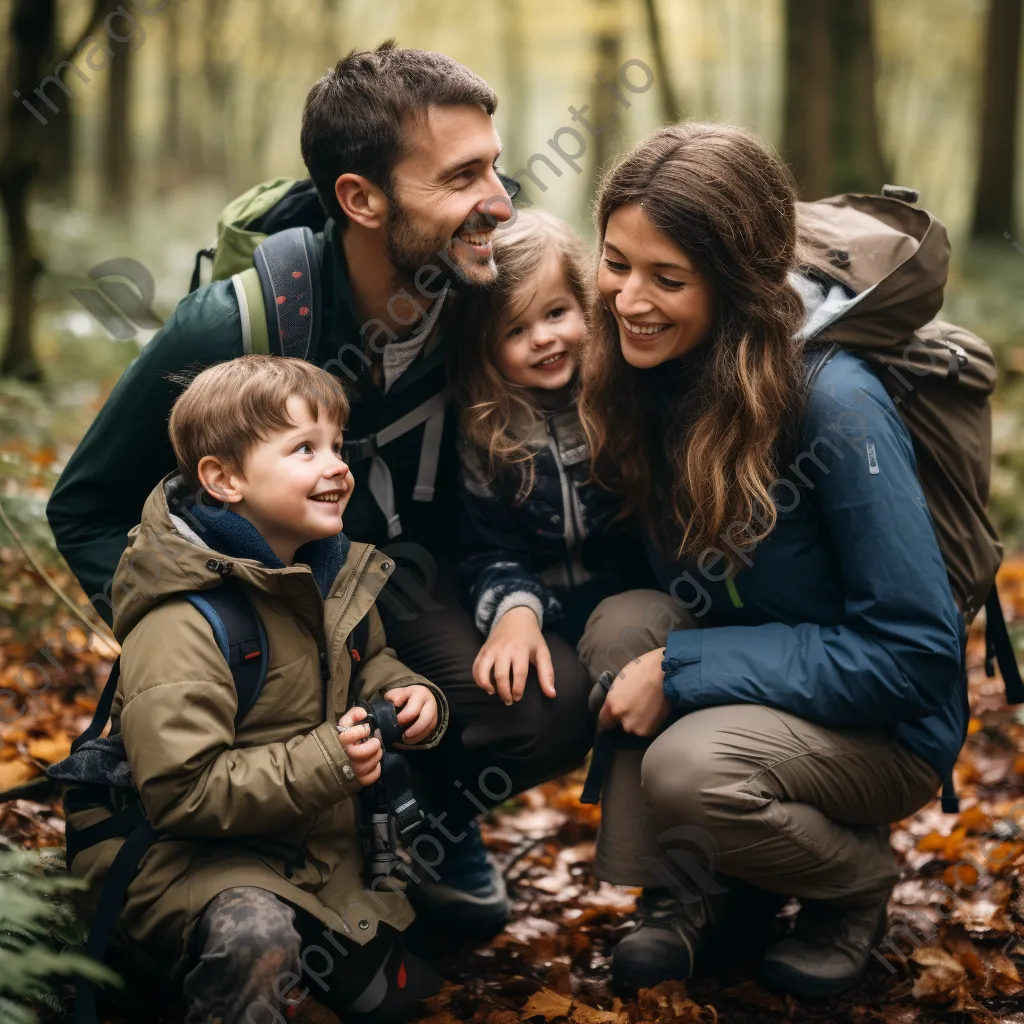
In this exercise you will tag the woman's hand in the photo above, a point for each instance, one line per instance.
(514, 642)
(636, 700)
(363, 751)
(419, 711)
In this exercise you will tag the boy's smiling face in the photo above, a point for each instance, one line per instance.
(293, 487)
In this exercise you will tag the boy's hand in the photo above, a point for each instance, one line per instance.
(419, 711)
(514, 642)
(363, 750)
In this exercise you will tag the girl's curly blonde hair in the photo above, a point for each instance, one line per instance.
(495, 413)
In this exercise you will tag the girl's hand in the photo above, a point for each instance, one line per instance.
(514, 643)
(419, 711)
(636, 700)
(363, 750)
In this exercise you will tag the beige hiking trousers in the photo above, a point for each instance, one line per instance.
(745, 790)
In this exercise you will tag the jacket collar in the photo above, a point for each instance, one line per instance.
(233, 534)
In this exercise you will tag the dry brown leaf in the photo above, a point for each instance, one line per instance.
(1001, 975)
(965, 952)
(669, 1001)
(443, 1017)
(583, 1014)
(750, 992)
(974, 819)
(944, 977)
(437, 1003)
(934, 842)
(550, 1005)
(547, 1004)
(502, 1017)
(50, 749)
(14, 773)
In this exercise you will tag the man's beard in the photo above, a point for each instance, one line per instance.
(410, 249)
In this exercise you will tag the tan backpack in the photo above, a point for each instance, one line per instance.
(939, 376)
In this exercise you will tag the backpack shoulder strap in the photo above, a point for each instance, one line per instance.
(999, 649)
(249, 293)
(288, 267)
(241, 638)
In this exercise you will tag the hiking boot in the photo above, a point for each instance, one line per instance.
(468, 898)
(827, 951)
(666, 942)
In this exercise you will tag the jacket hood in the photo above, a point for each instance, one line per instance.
(892, 258)
(177, 548)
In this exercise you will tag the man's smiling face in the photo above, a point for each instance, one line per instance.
(446, 197)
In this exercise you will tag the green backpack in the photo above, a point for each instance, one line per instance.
(270, 244)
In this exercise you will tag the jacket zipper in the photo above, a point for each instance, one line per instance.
(574, 529)
(357, 579)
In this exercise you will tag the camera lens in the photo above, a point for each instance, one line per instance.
(382, 716)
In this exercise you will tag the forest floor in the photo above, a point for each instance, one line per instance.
(961, 872)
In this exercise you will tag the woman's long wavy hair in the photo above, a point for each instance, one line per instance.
(728, 203)
(495, 413)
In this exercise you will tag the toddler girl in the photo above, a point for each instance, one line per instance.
(541, 543)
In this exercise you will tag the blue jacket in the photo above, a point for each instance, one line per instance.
(845, 616)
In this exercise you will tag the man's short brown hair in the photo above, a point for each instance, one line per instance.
(229, 407)
(354, 116)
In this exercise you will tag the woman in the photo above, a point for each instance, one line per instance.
(801, 672)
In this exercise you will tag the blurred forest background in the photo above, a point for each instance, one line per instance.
(124, 129)
(161, 117)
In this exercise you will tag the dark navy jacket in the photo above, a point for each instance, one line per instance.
(557, 549)
(845, 616)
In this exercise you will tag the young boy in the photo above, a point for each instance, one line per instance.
(255, 883)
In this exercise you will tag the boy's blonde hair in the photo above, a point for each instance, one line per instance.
(229, 407)
(491, 408)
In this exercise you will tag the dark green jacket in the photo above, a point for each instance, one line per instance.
(126, 450)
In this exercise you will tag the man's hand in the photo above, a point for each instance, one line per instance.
(419, 711)
(636, 700)
(363, 750)
(514, 642)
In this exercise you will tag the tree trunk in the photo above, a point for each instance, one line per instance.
(605, 104)
(171, 138)
(806, 133)
(670, 108)
(31, 40)
(26, 267)
(219, 141)
(994, 213)
(56, 172)
(32, 59)
(858, 162)
(118, 179)
(514, 152)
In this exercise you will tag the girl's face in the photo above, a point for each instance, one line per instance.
(662, 304)
(537, 348)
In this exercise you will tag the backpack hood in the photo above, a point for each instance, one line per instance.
(174, 550)
(892, 256)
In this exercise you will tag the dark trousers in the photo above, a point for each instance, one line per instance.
(489, 751)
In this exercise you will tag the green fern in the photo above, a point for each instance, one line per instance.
(33, 916)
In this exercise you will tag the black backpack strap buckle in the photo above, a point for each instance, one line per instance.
(359, 450)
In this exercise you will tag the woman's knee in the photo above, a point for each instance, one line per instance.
(627, 625)
(676, 773)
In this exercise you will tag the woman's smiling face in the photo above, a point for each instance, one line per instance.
(662, 304)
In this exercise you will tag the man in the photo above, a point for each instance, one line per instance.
(402, 149)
